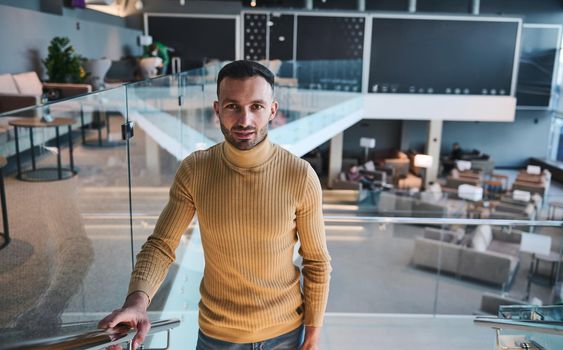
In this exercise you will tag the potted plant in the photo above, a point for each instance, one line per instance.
(63, 64)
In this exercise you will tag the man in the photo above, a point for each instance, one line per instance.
(158, 49)
(449, 163)
(457, 152)
(253, 200)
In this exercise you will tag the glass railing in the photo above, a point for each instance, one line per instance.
(526, 327)
(70, 251)
(396, 251)
(392, 273)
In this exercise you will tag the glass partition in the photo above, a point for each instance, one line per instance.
(69, 256)
(390, 273)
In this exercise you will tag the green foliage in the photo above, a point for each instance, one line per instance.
(63, 64)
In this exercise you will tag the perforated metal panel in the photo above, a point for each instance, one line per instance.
(255, 36)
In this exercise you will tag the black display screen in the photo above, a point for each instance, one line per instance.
(330, 51)
(281, 36)
(196, 39)
(442, 56)
(537, 61)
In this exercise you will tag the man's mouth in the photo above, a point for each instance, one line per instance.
(244, 135)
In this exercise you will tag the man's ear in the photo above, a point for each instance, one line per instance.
(273, 110)
(216, 107)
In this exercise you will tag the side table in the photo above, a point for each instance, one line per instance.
(44, 174)
(553, 259)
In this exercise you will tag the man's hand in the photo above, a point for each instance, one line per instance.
(134, 314)
(312, 337)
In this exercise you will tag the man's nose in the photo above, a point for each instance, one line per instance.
(245, 117)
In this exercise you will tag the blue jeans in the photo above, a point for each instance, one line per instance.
(288, 341)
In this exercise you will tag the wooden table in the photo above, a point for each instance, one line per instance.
(44, 174)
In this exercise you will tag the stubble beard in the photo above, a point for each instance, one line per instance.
(244, 145)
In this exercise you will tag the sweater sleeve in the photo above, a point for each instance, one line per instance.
(157, 254)
(316, 259)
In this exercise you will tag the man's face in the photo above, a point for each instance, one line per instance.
(245, 108)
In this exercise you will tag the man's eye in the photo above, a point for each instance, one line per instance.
(257, 106)
(231, 106)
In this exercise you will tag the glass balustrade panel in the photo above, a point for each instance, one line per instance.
(69, 256)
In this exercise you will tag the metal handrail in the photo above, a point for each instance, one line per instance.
(96, 339)
(442, 221)
(527, 326)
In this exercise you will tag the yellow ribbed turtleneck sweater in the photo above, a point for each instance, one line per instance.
(252, 207)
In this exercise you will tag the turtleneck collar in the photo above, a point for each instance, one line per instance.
(248, 158)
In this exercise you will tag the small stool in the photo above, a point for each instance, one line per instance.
(553, 206)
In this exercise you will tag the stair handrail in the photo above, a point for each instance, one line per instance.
(95, 339)
(550, 327)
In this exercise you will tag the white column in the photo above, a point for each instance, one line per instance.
(335, 157)
(433, 144)
(412, 6)
(361, 5)
(309, 4)
(475, 7)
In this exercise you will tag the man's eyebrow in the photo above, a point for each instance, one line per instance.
(228, 100)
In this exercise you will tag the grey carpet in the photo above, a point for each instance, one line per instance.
(49, 255)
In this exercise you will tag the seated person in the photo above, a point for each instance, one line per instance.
(457, 152)
(355, 174)
(158, 49)
(449, 163)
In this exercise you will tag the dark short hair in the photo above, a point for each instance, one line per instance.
(244, 69)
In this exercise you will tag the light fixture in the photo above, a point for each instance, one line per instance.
(367, 143)
(423, 161)
(253, 3)
(139, 5)
(182, 2)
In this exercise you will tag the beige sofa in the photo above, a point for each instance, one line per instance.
(403, 205)
(489, 254)
(25, 90)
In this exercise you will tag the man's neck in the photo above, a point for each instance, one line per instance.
(250, 158)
